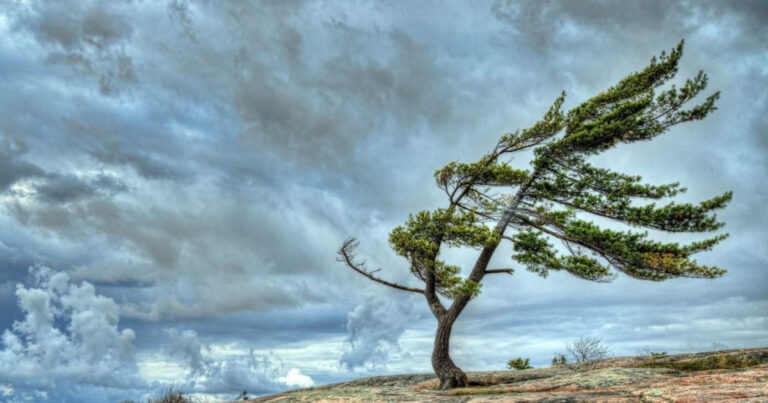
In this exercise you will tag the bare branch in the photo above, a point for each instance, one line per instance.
(347, 253)
(588, 349)
(480, 213)
(569, 247)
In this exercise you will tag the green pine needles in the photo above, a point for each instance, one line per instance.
(561, 184)
(489, 202)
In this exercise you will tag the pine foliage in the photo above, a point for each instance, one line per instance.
(562, 184)
(490, 201)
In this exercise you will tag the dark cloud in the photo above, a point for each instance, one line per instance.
(12, 167)
(87, 36)
(64, 188)
(180, 13)
(96, 23)
(199, 162)
(49, 186)
(130, 144)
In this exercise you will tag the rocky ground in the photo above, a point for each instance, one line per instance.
(733, 375)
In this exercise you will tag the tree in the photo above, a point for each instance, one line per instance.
(587, 349)
(519, 364)
(489, 202)
(559, 360)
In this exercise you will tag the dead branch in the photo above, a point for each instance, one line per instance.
(347, 255)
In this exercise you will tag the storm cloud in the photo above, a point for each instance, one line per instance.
(190, 167)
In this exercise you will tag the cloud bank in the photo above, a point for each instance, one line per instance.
(68, 345)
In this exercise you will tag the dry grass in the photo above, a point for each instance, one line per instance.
(170, 395)
(718, 361)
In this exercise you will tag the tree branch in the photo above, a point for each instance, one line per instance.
(348, 256)
(612, 261)
(508, 271)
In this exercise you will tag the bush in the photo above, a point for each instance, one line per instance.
(587, 349)
(559, 360)
(650, 356)
(519, 364)
(647, 352)
(172, 395)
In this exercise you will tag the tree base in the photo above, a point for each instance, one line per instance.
(454, 378)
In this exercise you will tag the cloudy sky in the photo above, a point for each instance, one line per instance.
(176, 177)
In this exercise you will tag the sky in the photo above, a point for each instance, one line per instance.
(177, 176)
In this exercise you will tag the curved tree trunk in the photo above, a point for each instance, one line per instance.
(449, 374)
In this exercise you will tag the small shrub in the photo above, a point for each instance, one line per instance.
(172, 395)
(519, 363)
(649, 355)
(587, 349)
(559, 360)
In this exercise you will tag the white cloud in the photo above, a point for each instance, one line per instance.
(374, 328)
(69, 336)
(294, 377)
(232, 372)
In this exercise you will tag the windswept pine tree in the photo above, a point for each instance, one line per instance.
(490, 202)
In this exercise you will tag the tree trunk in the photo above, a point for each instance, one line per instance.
(449, 374)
